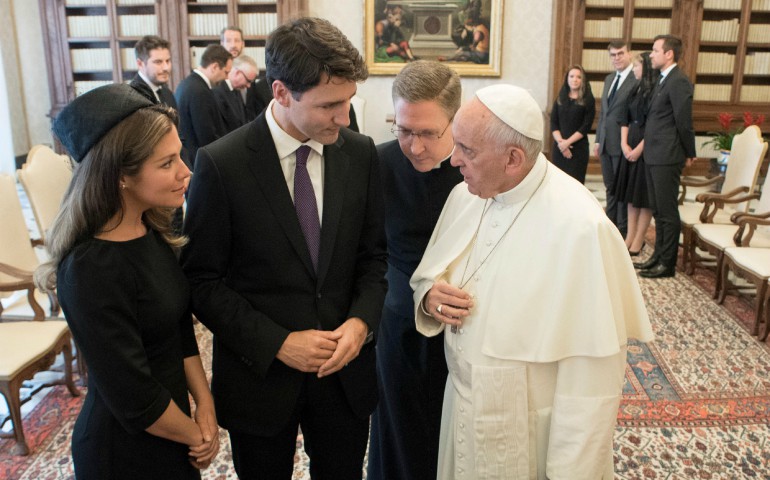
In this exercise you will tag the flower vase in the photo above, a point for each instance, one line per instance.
(724, 157)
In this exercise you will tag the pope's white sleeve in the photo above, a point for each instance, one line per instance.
(583, 417)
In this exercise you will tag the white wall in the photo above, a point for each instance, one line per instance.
(527, 26)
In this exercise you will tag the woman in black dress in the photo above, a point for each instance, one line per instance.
(571, 118)
(124, 295)
(630, 182)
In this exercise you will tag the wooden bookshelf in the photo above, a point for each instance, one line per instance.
(91, 42)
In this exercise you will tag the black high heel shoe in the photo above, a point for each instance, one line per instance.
(635, 254)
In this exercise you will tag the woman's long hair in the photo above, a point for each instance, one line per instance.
(648, 80)
(585, 96)
(93, 196)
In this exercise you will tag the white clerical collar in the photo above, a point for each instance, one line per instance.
(525, 189)
(285, 144)
(449, 157)
(664, 73)
(204, 77)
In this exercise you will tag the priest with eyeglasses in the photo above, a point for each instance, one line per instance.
(533, 289)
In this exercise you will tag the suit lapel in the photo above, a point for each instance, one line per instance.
(336, 163)
(266, 168)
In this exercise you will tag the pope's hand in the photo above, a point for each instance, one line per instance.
(447, 303)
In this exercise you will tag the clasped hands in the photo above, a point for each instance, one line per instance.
(564, 148)
(447, 304)
(203, 454)
(321, 351)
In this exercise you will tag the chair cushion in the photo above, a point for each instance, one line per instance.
(755, 260)
(721, 236)
(23, 343)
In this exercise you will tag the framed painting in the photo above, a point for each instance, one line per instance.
(466, 34)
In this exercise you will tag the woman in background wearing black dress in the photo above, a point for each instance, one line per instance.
(571, 117)
(124, 295)
(630, 183)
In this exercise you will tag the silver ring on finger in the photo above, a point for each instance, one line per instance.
(439, 307)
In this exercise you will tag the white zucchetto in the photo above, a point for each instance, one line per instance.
(515, 107)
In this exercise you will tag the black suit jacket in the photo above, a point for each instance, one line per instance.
(669, 122)
(231, 108)
(612, 114)
(252, 278)
(258, 96)
(199, 121)
(165, 94)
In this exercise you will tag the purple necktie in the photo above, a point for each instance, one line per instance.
(305, 203)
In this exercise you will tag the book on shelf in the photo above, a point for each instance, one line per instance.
(128, 59)
(757, 63)
(610, 28)
(755, 93)
(715, 63)
(84, 86)
(135, 2)
(137, 25)
(720, 30)
(90, 26)
(258, 54)
(604, 3)
(649, 28)
(654, 3)
(596, 60)
(257, 24)
(722, 4)
(709, 92)
(206, 24)
(91, 60)
(597, 88)
(84, 3)
(759, 33)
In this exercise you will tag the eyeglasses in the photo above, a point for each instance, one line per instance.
(248, 82)
(407, 135)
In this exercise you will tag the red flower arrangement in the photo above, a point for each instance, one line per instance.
(724, 140)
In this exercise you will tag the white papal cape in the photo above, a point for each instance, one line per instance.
(537, 369)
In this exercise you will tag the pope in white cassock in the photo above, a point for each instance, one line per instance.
(539, 296)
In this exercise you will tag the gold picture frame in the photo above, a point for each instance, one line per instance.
(467, 34)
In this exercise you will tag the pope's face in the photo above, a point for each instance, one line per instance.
(482, 164)
(426, 137)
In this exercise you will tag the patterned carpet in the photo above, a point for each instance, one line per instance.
(696, 401)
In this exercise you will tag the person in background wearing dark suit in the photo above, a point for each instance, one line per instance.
(258, 95)
(199, 120)
(572, 115)
(228, 93)
(417, 178)
(617, 86)
(287, 260)
(153, 60)
(671, 145)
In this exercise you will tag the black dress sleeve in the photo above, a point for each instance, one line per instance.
(100, 293)
(555, 117)
(589, 112)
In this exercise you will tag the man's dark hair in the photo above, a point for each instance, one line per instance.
(671, 42)
(298, 53)
(147, 43)
(618, 44)
(215, 53)
(229, 28)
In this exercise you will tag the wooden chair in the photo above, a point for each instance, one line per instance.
(18, 260)
(713, 238)
(746, 156)
(751, 263)
(45, 177)
(25, 349)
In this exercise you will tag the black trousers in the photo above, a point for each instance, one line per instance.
(663, 185)
(616, 211)
(334, 437)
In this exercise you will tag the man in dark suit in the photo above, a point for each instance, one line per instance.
(228, 93)
(614, 109)
(153, 61)
(671, 146)
(417, 178)
(199, 120)
(286, 262)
